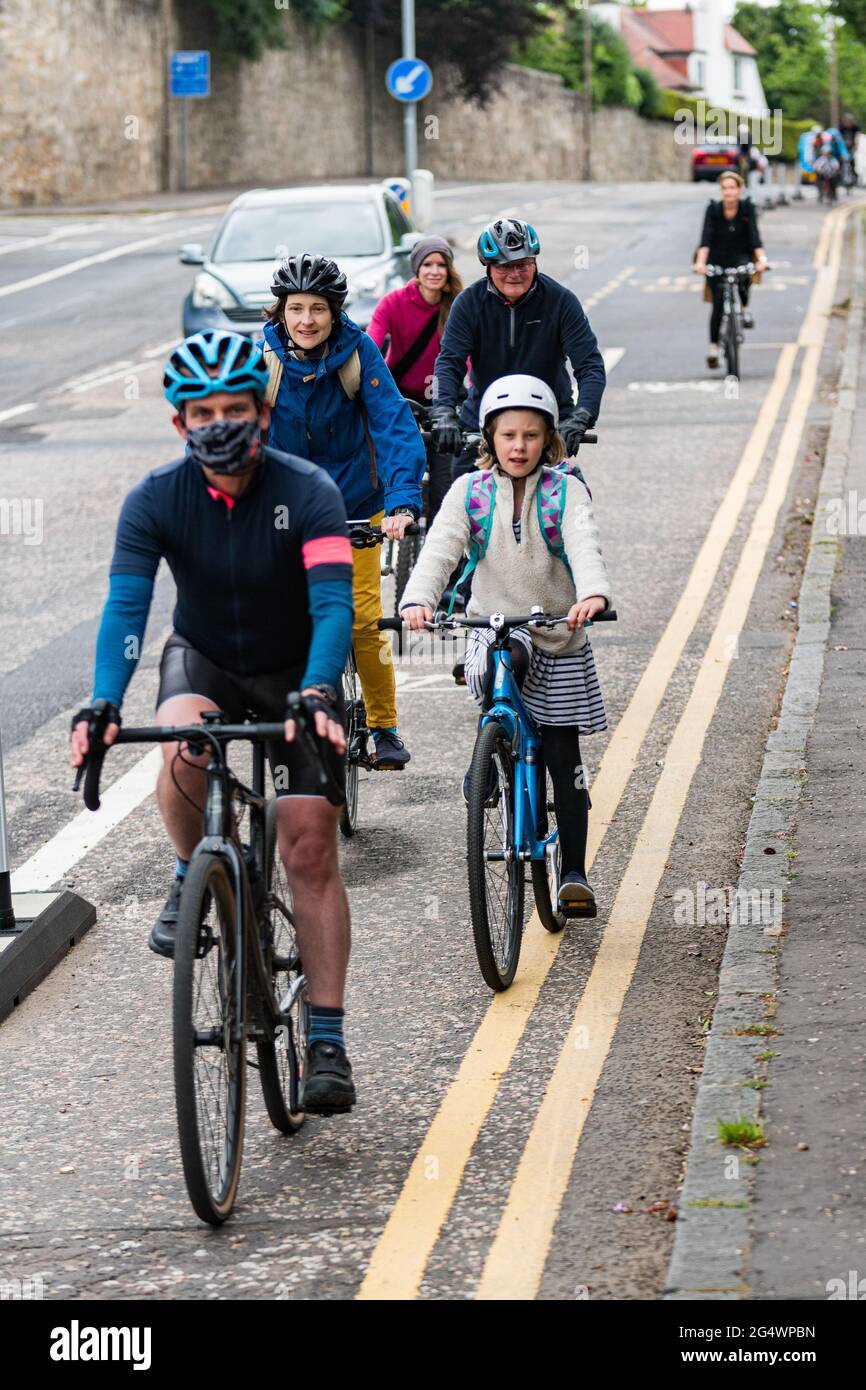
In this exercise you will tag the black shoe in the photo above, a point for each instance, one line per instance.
(748, 321)
(492, 785)
(576, 898)
(328, 1087)
(164, 928)
(712, 359)
(458, 671)
(391, 753)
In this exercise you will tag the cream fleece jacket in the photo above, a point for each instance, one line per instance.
(511, 577)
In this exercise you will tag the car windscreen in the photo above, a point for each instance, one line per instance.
(272, 233)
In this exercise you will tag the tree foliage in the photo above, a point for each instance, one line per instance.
(246, 28)
(793, 60)
(615, 79)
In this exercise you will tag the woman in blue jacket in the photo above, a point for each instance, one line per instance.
(338, 406)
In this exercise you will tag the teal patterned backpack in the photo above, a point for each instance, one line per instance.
(549, 504)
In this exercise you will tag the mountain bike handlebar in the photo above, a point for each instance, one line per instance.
(472, 439)
(498, 621)
(363, 534)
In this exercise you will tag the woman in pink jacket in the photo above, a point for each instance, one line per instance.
(413, 320)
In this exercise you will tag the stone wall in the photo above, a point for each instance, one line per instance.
(82, 99)
(85, 113)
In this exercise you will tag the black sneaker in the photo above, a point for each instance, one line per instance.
(748, 321)
(164, 928)
(391, 753)
(328, 1088)
(492, 785)
(576, 898)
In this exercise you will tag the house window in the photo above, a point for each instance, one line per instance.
(738, 74)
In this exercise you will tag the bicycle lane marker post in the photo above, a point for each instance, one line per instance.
(398, 1261)
(515, 1263)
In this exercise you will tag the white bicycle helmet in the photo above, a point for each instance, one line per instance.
(518, 393)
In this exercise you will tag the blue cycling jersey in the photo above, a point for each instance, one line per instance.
(264, 580)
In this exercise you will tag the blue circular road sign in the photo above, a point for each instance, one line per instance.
(409, 79)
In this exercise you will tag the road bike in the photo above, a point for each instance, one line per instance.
(511, 813)
(362, 535)
(731, 330)
(238, 976)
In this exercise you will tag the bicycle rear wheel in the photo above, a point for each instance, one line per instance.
(496, 880)
(547, 872)
(281, 1057)
(209, 1040)
(354, 745)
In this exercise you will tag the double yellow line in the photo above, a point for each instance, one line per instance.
(515, 1263)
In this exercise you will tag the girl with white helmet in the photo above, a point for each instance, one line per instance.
(519, 566)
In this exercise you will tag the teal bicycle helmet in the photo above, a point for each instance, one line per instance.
(507, 239)
(213, 361)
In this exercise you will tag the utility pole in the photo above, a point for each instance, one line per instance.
(834, 75)
(587, 90)
(410, 125)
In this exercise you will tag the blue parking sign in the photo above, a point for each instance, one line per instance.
(189, 71)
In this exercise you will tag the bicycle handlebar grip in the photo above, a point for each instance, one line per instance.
(95, 759)
(589, 439)
(608, 616)
(390, 624)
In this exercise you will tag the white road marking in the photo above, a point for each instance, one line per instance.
(49, 864)
(98, 259)
(611, 357)
(129, 369)
(24, 243)
(17, 410)
(657, 387)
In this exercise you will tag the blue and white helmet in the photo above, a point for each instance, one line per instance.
(213, 361)
(507, 239)
(518, 393)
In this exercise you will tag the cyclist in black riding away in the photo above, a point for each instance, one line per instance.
(258, 546)
(729, 237)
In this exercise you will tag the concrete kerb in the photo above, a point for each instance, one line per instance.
(711, 1244)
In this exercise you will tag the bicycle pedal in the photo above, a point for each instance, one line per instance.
(571, 910)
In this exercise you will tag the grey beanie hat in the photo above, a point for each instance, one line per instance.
(425, 247)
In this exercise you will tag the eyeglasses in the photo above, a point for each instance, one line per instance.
(520, 266)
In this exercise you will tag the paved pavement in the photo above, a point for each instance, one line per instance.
(483, 1127)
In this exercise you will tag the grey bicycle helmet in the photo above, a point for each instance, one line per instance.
(507, 239)
(311, 274)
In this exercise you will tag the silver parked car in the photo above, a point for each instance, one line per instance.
(363, 227)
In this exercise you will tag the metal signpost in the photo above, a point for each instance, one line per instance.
(189, 76)
(409, 80)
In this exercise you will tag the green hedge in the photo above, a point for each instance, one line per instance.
(672, 102)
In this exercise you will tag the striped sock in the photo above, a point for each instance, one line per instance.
(326, 1025)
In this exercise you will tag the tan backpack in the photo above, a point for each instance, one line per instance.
(350, 380)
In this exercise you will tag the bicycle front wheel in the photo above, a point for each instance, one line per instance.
(496, 881)
(732, 347)
(209, 1040)
(408, 550)
(354, 742)
(281, 1057)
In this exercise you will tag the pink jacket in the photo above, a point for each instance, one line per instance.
(402, 314)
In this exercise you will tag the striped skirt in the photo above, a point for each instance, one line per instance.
(557, 689)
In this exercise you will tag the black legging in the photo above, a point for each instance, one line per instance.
(717, 290)
(560, 747)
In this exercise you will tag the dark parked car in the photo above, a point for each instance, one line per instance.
(710, 159)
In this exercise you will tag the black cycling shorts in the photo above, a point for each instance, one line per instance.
(184, 671)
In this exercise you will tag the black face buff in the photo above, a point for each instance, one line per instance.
(226, 446)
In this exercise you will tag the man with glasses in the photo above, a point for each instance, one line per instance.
(516, 320)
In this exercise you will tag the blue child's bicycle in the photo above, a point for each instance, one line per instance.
(511, 811)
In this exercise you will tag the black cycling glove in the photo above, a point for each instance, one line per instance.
(573, 427)
(98, 715)
(445, 428)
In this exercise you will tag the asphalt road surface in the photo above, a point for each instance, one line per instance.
(496, 1141)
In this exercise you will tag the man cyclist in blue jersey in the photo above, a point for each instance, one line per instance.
(258, 546)
(515, 320)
